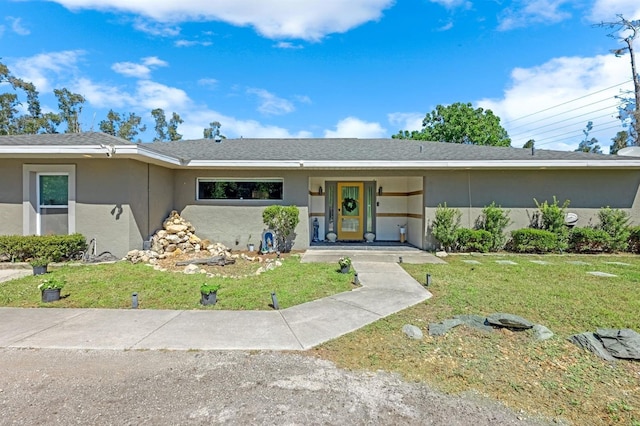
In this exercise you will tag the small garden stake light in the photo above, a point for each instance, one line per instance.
(274, 301)
(428, 281)
(356, 280)
(134, 301)
(400, 259)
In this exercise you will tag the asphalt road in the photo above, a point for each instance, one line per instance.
(50, 386)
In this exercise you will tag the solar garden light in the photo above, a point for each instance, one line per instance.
(400, 260)
(274, 300)
(356, 280)
(428, 282)
(134, 301)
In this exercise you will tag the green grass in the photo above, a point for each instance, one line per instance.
(111, 286)
(553, 378)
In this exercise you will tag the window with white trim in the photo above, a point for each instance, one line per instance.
(239, 189)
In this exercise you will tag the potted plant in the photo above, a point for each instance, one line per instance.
(250, 244)
(50, 288)
(39, 265)
(209, 293)
(345, 264)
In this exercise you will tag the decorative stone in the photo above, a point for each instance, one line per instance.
(439, 329)
(175, 228)
(171, 248)
(540, 332)
(475, 321)
(511, 321)
(441, 253)
(369, 237)
(191, 269)
(412, 331)
(332, 236)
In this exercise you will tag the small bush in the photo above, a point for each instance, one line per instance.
(445, 225)
(494, 220)
(589, 240)
(55, 248)
(634, 239)
(529, 240)
(552, 217)
(615, 223)
(283, 220)
(473, 240)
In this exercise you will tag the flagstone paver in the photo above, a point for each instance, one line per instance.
(506, 262)
(578, 262)
(541, 262)
(601, 274)
(473, 262)
(618, 263)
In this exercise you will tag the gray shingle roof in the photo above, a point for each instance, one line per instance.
(380, 150)
(65, 139)
(355, 150)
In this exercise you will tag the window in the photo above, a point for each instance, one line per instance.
(53, 203)
(239, 189)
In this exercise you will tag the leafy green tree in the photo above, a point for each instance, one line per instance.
(589, 145)
(123, 126)
(213, 131)
(619, 142)
(615, 222)
(460, 123)
(166, 131)
(70, 106)
(529, 144)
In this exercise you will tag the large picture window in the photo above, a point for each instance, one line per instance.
(239, 189)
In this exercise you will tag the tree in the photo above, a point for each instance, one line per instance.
(619, 142)
(626, 31)
(460, 123)
(283, 220)
(166, 131)
(529, 144)
(70, 106)
(589, 145)
(213, 131)
(125, 127)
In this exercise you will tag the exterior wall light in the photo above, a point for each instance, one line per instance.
(379, 190)
(320, 190)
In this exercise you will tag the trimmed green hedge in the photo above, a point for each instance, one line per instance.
(589, 240)
(474, 240)
(531, 240)
(634, 239)
(55, 248)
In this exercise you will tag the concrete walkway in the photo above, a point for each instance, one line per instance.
(386, 289)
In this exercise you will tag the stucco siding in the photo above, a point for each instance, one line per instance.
(232, 222)
(10, 197)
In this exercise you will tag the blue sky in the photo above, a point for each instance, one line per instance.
(327, 68)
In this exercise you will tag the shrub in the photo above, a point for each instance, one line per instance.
(283, 220)
(589, 240)
(445, 225)
(634, 239)
(473, 240)
(529, 240)
(552, 218)
(56, 248)
(494, 220)
(615, 223)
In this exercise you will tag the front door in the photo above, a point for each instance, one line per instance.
(350, 210)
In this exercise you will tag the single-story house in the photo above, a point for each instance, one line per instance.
(118, 192)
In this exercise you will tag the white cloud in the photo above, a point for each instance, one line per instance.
(352, 127)
(142, 70)
(189, 43)
(606, 10)
(43, 69)
(287, 45)
(150, 95)
(309, 19)
(160, 29)
(101, 95)
(450, 4)
(16, 26)
(406, 120)
(208, 82)
(526, 12)
(552, 103)
(270, 104)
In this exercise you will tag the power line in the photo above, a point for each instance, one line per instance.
(568, 102)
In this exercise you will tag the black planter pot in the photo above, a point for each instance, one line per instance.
(345, 269)
(209, 299)
(51, 295)
(39, 270)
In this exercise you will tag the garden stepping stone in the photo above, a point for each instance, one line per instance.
(510, 321)
(541, 262)
(618, 263)
(439, 329)
(472, 262)
(592, 343)
(540, 332)
(601, 274)
(412, 331)
(506, 262)
(578, 262)
(475, 321)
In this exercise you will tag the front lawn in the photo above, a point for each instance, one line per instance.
(111, 286)
(552, 378)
